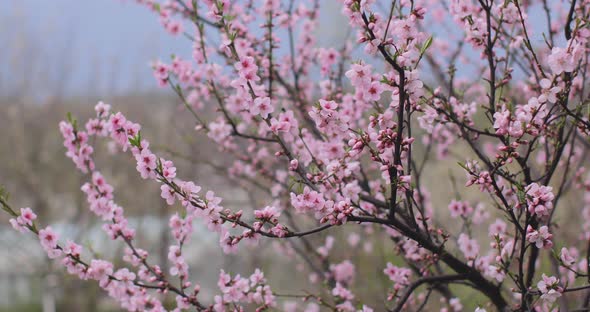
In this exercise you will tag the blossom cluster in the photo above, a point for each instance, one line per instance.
(361, 136)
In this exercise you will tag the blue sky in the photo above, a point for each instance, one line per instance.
(104, 46)
(93, 38)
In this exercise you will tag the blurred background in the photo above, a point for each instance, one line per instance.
(58, 57)
(63, 56)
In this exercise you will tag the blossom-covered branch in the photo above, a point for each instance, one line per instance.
(352, 141)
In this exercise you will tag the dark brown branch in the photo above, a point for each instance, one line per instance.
(426, 280)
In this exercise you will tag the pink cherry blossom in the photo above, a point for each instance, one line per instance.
(549, 288)
(541, 237)
(347, 153)
(468, 247)
(262, 107)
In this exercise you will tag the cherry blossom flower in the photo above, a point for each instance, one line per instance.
(549, 288)
(560, 61)
(262, 107)
(469, 247)
(541, 237)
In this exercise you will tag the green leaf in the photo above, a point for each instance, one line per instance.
(426, 45)
(463, 166)
(521, 196)
(159, 164)
(72, 120)
(219, 5)
(136, 140)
